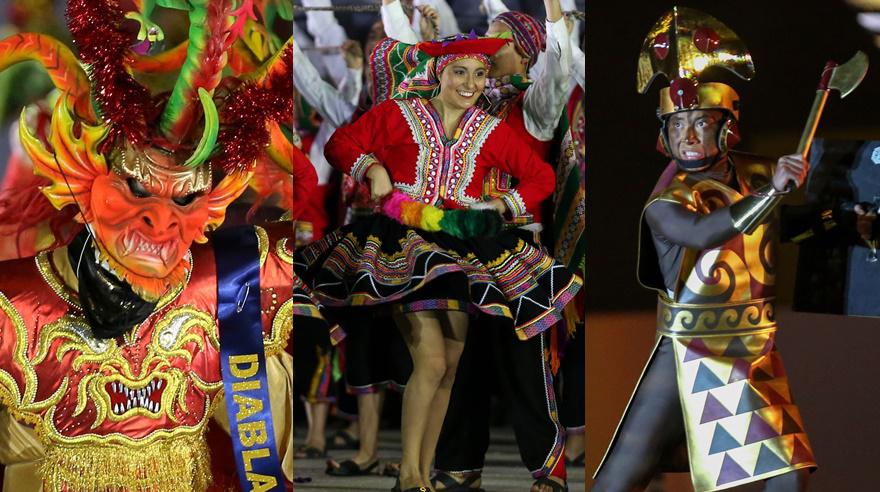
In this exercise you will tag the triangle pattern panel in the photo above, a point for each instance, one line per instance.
(730, 471)
(789, 424)
(713, 409)
(750, 400)
(740, 371)
(722, 441)
(801, 453)
(759, 430)
(736, 348)
(705, 379)
(696, 349)
(768, 461)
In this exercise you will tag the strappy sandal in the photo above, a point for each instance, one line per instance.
(309, 452)
(450, 484)
(554, 486)
(349, 468)
(347, 441)
(397, 488)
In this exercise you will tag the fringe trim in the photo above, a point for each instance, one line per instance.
(171, 465)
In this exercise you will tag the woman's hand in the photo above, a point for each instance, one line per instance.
(380, 182)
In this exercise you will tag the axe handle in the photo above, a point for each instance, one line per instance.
(812, 122)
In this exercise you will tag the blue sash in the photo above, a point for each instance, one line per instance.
(243, 359)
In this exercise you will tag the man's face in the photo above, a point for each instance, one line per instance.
(507, 60)
(693, 135)
(148, 222)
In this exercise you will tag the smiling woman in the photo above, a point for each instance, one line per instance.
(429, 157)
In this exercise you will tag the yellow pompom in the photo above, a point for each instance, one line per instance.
(431, 219)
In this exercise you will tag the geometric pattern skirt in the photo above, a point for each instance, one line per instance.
(379, 262)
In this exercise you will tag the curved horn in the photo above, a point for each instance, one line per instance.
(209, 24)
(59, 62)
(209, 135)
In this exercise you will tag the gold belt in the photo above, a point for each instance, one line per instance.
(735, 318)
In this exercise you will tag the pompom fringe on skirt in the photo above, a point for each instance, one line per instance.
(377, 261)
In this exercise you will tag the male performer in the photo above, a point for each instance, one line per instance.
(715, 381)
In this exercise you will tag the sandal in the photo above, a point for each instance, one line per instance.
(309, 452)
(397, 488)
(554, 486)
(450, 484)
(349, 468)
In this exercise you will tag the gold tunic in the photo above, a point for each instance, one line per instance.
(740, 421)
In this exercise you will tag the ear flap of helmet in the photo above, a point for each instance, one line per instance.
(663, 139)
(728, 135)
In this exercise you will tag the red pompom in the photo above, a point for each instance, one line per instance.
(124, 103)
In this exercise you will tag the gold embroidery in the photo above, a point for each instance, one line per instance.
(168, 465)
(282, 326)
(284, 251)
(262, 243)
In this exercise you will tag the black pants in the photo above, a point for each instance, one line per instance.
(570, 382)
(652, 438)
(523, 374)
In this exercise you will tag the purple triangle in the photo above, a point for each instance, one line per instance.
(759, 430)
(730, 471)
(697, 349)
(740, 371)
(713, 410)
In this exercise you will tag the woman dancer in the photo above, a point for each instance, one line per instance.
(435, 256)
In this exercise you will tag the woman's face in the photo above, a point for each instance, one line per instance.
(462, 82)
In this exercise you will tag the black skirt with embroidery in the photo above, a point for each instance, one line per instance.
(378, 262)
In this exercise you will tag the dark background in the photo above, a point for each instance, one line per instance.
(831, 360)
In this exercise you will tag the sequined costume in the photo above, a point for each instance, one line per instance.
(110, 346)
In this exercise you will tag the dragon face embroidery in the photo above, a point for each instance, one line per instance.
(163, 377)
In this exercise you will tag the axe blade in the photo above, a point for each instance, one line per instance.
(846, 77)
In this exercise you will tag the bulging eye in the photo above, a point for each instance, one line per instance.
(136, 188)
(186, 199)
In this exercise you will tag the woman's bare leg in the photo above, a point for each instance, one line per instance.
(455, 326)
(423, 334)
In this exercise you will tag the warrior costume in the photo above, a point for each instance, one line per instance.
(111, 346)
(730, 402)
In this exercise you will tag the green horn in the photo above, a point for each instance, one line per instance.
(209, 135)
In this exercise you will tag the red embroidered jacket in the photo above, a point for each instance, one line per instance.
(407, 138)
(146, 396)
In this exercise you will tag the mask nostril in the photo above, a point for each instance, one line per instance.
(148, 221)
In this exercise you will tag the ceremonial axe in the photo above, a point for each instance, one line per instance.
(843, 78)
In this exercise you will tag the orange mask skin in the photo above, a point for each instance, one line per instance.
(146, 226)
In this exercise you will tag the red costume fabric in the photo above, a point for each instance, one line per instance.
(398, 133)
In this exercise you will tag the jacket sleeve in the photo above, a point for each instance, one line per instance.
(350, 149)
(536, 177)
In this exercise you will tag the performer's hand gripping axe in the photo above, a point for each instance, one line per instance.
(843, 78)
